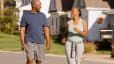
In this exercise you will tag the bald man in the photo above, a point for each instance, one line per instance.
(33, 28)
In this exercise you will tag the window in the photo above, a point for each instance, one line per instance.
(26, 2)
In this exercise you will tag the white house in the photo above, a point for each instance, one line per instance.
(25, 5)
(91, 11)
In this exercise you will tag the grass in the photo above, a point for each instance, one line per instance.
(12, 43)
(9, 42)
(103, 52)
(56, 48)
(112, 58)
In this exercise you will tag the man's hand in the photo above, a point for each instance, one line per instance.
(48, 46)
(23, 48)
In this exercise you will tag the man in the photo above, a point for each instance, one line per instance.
(33, 26)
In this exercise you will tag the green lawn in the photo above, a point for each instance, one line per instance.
(56, 48)
(9, 42)
(103, 52)
(12, 43)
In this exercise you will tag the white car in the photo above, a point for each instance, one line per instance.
(106, 34)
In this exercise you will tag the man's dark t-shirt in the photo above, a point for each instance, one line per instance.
(34, 24)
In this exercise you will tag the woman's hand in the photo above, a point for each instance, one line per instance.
(63, 40)
(77, 30)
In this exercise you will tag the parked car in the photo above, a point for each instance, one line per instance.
(106, 34)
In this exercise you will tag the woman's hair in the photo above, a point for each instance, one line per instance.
(79, 11)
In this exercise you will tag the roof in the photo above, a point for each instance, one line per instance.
(64, 5)
(111, 3)
(96, 4)
(109, 12)
(79, 4)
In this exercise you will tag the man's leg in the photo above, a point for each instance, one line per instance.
(39, 62)
(40, 53)
(30, 61)
(29, 52)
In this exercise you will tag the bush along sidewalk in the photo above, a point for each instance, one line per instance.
(89, 47)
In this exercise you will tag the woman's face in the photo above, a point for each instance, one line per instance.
(75, 13)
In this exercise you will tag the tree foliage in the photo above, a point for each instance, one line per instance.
(9, 1)
(9, 19)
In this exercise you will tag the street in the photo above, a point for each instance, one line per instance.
(20, 58)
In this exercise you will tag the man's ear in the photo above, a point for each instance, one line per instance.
(33, 6)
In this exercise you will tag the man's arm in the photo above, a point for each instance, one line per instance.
(22, 38)
(46, 33)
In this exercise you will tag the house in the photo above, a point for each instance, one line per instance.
(60, 13)
(6, 4)
(58, 10)
(25, 5)
(50, 6)
(92, 12)
(110, 15)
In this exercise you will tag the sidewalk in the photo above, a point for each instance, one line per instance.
(19, 58)
(100, 58)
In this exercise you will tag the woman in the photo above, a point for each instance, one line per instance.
(75, 30)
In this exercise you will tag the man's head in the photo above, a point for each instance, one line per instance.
(36, 4)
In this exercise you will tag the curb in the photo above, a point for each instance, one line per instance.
(20, 52)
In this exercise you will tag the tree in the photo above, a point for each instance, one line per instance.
(1, 6)
(9, 18)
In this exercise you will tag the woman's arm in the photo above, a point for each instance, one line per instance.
(85, 32)
(65, 33)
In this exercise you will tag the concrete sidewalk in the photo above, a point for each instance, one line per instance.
(19, 58)
(99, 58)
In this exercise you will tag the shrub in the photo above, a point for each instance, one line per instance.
(89, 47)
(9, 20)
(103, 44)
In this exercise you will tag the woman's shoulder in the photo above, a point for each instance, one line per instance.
(83, 21)
(69, 21)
